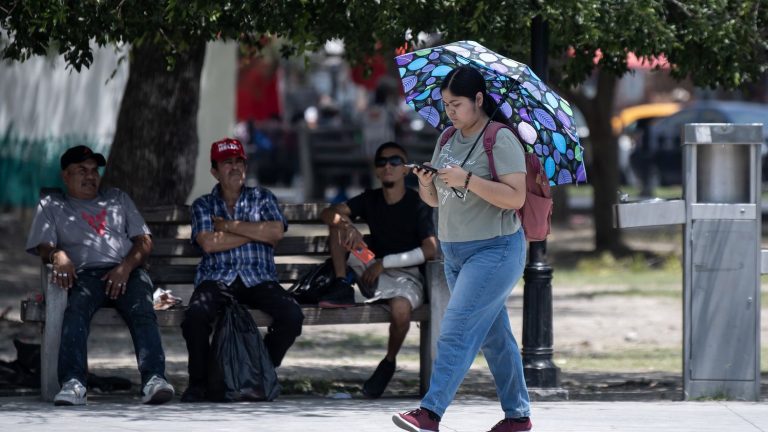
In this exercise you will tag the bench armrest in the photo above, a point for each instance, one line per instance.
(55, 304)
(437, 296)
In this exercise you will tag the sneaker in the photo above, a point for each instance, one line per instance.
(513, 425)
(374, 387)
(194, 394)
(418, 420)
(339, 294)
(71, 393)
(157, 391)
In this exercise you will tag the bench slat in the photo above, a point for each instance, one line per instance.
(179, 214)
(175, 274)
(314, 245)
(313, 315)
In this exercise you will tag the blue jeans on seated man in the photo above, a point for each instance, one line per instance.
(480, 275)
(86, 296)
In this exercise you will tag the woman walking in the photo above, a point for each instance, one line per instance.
(484, 249)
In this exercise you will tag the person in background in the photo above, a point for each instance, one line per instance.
(402, 238)
(96, 242)
(484, 252)
(237, 227)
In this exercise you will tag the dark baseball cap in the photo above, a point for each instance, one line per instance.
(79, 154)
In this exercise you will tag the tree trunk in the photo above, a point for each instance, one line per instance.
(561, 212)
(154, 151)
(604, 175)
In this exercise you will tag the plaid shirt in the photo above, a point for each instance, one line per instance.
(254, 261)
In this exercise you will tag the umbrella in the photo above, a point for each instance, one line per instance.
(542, 120)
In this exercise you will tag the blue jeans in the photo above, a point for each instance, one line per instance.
(480, 276)
(86, 296)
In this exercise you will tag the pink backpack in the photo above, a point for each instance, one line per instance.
(536, 213)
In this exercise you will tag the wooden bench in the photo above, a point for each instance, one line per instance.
(327, 154)
(172, 265)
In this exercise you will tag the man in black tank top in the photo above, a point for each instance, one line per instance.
(402, 237)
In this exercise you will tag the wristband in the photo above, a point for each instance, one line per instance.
(404, 259)
(466, 181)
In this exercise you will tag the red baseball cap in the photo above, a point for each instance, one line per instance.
(227, 148)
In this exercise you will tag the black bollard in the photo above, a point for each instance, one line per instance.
(540, 370)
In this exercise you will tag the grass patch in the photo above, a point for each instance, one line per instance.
(628, 360)
(632, 360)
(317, 387)
(637, 271)
(631, 276)
(638, 292)
(666, 192)
(361, 341)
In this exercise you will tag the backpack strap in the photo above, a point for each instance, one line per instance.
(447, 134)
(489, 139)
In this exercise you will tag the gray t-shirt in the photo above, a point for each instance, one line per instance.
(93, 233)
(475, 218)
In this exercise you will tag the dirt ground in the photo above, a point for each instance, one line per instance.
(335, 360)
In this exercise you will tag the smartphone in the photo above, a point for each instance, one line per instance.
(363, 254)
(421, 167)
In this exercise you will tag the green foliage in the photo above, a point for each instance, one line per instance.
(715, 42)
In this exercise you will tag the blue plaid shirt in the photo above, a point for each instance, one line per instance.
(254, 261)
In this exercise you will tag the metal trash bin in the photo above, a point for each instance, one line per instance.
(722, 260)
(721, 271)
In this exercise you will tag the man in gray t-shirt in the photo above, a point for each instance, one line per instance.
(95, 242)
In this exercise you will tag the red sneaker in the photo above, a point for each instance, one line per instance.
(509, 425)
(418, 420)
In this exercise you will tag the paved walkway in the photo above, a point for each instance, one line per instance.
(467, 414)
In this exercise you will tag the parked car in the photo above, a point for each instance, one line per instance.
(664, 136)
(627, 119)
(630, 126)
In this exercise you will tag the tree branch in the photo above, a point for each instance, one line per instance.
(8, 11)
(683, 8)
(119, 9)
(167, 39)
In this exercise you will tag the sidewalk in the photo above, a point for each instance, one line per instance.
(467, 414)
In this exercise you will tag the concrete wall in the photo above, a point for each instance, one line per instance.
(43, 98)
(46, 108)
(216, 116)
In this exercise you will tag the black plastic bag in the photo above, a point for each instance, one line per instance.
(240, 367)
(314, 284)
(24, 372)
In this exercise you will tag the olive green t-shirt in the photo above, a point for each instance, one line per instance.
(474, 218)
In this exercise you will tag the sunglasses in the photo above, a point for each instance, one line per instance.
(392, 160)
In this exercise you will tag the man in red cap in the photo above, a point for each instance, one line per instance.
(237, 227)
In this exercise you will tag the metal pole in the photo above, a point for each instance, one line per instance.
(540, 370)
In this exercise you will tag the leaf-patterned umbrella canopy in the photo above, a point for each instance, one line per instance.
(542, 120)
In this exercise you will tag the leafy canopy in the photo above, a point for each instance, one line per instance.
(715, 42)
